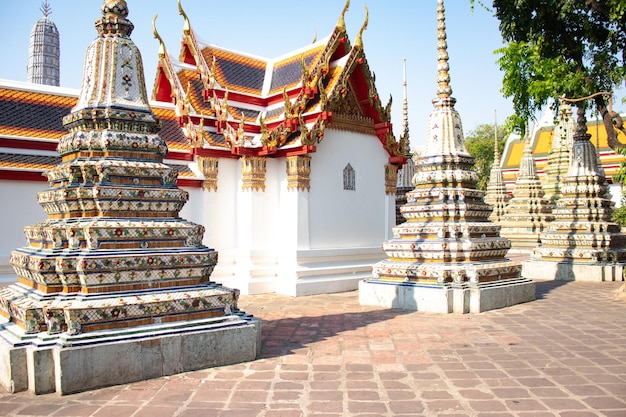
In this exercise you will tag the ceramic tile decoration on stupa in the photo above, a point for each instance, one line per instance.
(558, 160)
(447, 257)
(496, 195)
(581, 243)
(527, 213)
(114, 286)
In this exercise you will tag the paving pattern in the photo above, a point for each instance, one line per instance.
(326, 356)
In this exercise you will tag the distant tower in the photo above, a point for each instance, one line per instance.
(405, 174)
(44, 51)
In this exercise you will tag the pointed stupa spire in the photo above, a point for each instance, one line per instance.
(444, 89)
(407, 171)
(527, 164)
(496, 149)
(405, 112)
(558, 160)
(445, 130)
(496, 195)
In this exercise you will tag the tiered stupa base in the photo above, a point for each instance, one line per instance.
(65, 363)
(436, 298)
(596, 253)
(539, 269)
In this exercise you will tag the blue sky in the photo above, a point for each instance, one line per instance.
(397, 29)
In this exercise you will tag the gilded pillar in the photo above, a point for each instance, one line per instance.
(208, 165)
(253, 173)
(391, 179)
(298, 172)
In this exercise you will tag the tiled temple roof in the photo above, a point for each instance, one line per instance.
(236, 71)
(33, 114)
(287, 102)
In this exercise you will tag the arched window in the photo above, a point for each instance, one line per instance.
(349, 182)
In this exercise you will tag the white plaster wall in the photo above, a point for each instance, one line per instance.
(341, 218)
(18, 208)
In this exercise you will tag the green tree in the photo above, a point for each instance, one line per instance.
(480, 144)
(556, 48)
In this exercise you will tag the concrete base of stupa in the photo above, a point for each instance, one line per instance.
(539, 269)
(446, 298)
(65, 364)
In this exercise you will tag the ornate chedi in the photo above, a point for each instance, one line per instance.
(447, 257)
(114, 271)
(558, 160)
(581, 243)
(496, 195)
(527, 213)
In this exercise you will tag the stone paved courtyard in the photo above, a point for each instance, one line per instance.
(561, 355)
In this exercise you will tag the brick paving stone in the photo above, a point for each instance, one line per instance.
(604, 403)
(578, 414)
(413, 408)
(284, 413)
(78, 410)
(115, 411)
(563, 404)
(487, 405)
(614, 413)
(150, 411)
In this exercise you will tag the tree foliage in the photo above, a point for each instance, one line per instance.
(480, 144)
(555, 48)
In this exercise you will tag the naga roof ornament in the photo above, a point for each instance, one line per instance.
(358, 43)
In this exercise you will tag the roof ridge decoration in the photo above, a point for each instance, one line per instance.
(206, 76)
(341, 23)
(358, 43)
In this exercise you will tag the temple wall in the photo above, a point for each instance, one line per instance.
(344, 218)
(18, 208)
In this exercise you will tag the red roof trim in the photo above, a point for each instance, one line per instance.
(22, 176)
(28, 144)
(185, 182)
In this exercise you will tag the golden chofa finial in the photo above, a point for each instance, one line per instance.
(358, 43)
(157, 36)
(187, 26)
(342, 23)
(443, 69)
